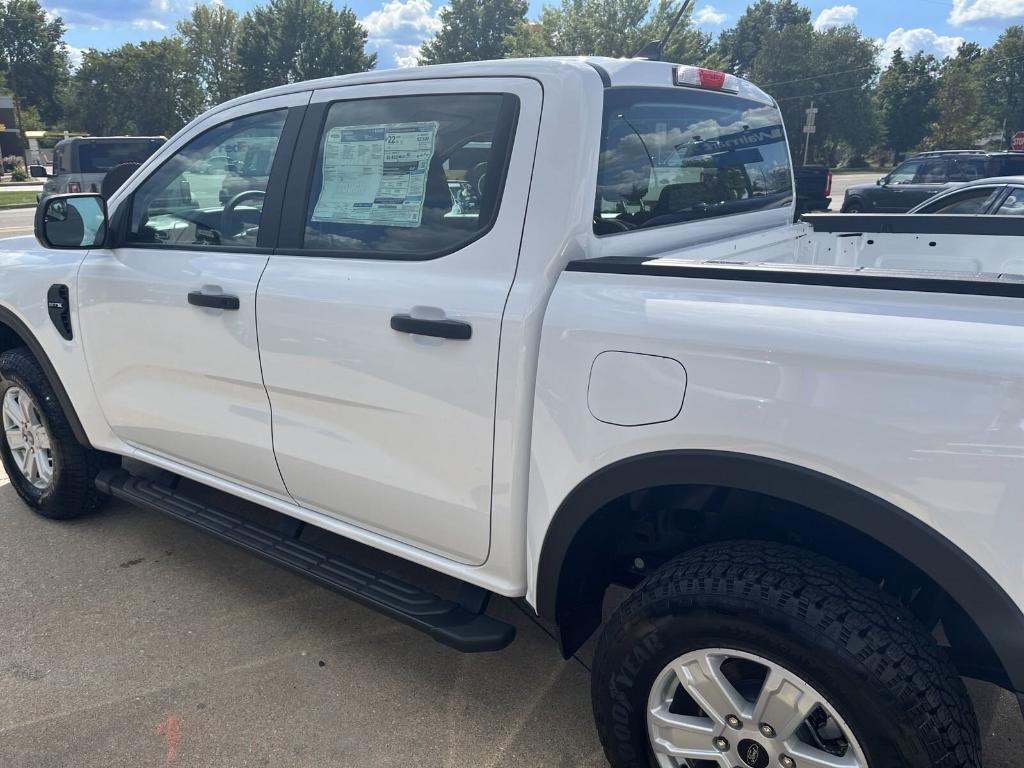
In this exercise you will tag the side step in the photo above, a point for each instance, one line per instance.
(461, 625)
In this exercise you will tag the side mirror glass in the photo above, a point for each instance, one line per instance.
(72, 221)
(882, 181)
(38, 172)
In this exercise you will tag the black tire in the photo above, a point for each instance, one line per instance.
(876, 665)
(854, 206)
(72, 491)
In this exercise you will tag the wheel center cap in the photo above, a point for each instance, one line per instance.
(752, 753)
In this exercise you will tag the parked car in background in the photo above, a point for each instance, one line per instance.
(922, 176)
(813, 188)
(80, 164)
(991, 197)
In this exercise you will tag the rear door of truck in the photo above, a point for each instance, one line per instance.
(379, 313)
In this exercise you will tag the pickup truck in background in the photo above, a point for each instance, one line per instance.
(798, 446)
(813, 188)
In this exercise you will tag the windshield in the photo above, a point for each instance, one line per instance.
(102, 156)
(676, 155)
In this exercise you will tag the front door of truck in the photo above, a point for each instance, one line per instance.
(380, 312)
(169, 314)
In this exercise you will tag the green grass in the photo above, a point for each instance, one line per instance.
(13, 197)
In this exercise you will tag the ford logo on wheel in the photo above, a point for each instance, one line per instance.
(753, 754)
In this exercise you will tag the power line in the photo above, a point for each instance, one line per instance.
(823, 93)
(816, 77)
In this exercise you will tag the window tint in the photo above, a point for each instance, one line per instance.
(968, 168)
(409, 176)
(931, 172)
(58, 155)
(1014, 204)
(210, 193)
(103, 156)
(670, 156)
(970, 201)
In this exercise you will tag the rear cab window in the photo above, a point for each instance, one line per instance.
(670, 156)
(104, 156)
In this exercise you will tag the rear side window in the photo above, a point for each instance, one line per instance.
(103, 156)
(968, 168)
(671, 156)
(409, 177)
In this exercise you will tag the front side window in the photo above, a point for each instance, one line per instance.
(971, 201)
(905, 173)
(671, 156)
(1013, 205)
(210, 193)
(409, 177)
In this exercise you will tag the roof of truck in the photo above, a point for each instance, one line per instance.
(609, 72)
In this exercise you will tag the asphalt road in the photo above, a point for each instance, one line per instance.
(843, 181)
(129, 640)
(16, 221)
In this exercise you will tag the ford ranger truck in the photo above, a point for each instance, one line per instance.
(614, 365)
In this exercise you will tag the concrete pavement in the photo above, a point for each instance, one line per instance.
(16, 221)
(129, 640)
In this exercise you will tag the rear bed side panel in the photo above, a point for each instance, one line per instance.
(916, 398)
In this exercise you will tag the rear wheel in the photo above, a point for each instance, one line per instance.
(754, 654)
(51, 471)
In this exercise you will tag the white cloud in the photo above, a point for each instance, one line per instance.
(709, 16)
(986, 12)
(75, 56)
(156, 15)
(910, 41)
(836, 16)
(398, 28)
(406, 55)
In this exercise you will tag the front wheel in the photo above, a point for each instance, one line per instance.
(51, 471)
(854, 206)
(760, 655)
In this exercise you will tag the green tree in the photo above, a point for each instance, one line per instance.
(146, 89)
(286, 41)
(33, 57)
(740, 46)
(210, 36)
(602, 28)
(906, 100)
(474, 30)
(959, 101)
(1004, 65)
(847, 121)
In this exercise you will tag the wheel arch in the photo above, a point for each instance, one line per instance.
(564, 569)
(15, 333)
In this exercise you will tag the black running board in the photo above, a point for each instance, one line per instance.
(461, 625)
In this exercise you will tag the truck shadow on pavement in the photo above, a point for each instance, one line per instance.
(132, 640)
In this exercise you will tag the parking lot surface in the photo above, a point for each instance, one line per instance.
(128, 639)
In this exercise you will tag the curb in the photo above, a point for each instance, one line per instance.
(15, 206)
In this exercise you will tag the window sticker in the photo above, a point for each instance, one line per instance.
(376, 174)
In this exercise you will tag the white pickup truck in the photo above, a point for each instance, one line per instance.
(548, 326)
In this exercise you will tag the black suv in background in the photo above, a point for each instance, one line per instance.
(916, 179)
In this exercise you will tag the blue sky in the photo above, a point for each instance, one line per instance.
(397, 27)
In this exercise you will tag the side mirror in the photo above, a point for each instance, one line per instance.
(882, 181)
(72, 221)
(38, 172)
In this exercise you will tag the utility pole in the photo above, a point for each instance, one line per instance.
(809, 128)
